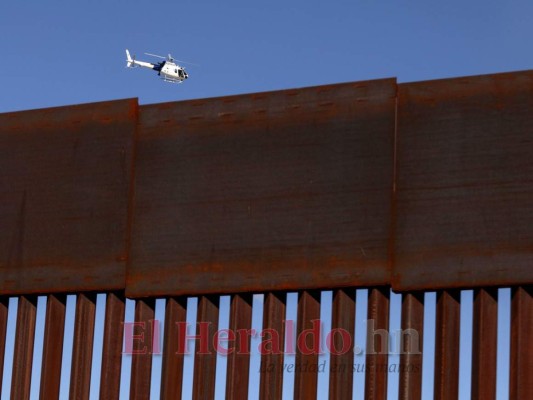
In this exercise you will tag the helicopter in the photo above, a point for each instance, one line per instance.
(168, 70)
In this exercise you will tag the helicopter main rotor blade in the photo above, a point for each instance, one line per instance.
(154, 55)
(186, 62)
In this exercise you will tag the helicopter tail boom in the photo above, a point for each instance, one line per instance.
(132, 62)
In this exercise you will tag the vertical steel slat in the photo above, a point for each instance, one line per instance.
(484, 344)
(53, 346)
(238, 369)
(141, 363)
(205, 355)
(271, 381)
(23, 352)
(82, 347)
(521, 368)
(447, 345)
(341, 362)
(112, 347)
(411, 346)
(4, 307)
(172, 369)
(306, 365)
(377, 333)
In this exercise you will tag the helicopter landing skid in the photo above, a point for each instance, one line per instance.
(172, 80)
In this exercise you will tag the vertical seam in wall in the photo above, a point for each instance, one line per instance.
(392, 233)
(131, 191)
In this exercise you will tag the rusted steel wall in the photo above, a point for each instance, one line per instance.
(65, 178)
(277, 190)
(464, 187)
(370, 184)
(289, 190)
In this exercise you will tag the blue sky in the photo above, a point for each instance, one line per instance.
(61, 53)
(57, 53)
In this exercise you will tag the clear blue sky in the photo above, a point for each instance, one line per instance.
(56, 53)
(62, 53)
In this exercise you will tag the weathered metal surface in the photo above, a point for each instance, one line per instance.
(53, 346)
(64, 181)
(286, 190)
(411, 350)
(341, 357)
(271, 370)
(112, 347)
(377, 344)
(238, 367)
(141, 359)
(446, 382)
(464, 215)
(205, 359)
(82, 347)
(521, 368)
(23, 352)
(306, 364)
(484, 344)
(172, 369)
(278, 190)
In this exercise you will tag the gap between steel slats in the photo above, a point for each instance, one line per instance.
(23, 352)
(341, 361)
(271, 376)
(447, 345)
(53, 346)
(205, 359)
(377, 347)
(410, 383)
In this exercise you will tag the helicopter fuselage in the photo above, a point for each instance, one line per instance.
(170, 71)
